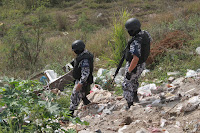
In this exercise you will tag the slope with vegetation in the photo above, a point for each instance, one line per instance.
(35, 34)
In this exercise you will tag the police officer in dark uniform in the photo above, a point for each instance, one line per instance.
(82, 73)
(135, 57)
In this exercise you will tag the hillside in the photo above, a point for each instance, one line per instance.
(36, 35)
(29, 36)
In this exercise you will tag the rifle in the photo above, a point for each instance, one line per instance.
(122, 60)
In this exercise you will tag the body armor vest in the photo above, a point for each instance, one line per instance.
(77, 68)
(144, 40)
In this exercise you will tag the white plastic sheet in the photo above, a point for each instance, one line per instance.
(146, 90)
(191, 73)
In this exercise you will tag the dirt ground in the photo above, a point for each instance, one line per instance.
(107, 113)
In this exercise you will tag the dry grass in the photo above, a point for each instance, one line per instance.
(192, 7)
(98, 42)
(62, 20)
(173, 40)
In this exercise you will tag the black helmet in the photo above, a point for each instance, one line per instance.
(132, 24)
(78, 45)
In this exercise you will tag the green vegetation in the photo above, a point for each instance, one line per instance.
(28, 108)
(35, 34)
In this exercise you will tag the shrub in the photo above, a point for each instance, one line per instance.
(27, 111)
(62, 21)
(25, 43)
(84, 25)
(118, 42)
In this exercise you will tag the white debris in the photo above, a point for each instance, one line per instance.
(99, 15)
(97, 59)
(173, 73)
(192, 104)
(191, 73)
(119, 79)
(198, 50)
(101, 72)
(146, 90)
(144, 72)
(51, 75)
(171, 79)
(162, 122)
(121, 129)
(178, 81)
(121, 71)
(178, 124)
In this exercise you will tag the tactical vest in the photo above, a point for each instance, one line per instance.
(77, 69)
(144, 40)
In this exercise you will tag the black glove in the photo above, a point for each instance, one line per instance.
(128, 75)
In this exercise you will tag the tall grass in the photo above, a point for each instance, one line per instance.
(118, 41)
(188, 21)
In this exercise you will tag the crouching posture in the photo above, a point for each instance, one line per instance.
(82, 73)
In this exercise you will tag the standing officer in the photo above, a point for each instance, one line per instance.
(136, 55)
(82, 73)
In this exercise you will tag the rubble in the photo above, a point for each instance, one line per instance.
(169, 107)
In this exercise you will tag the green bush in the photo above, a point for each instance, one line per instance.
(25, 44)
(84, 25)
(62, 21)
(119, 38)
(31, 109)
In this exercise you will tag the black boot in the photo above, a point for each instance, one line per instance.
(135, 97)
(71, 113)
(129, 105)
(85, 101)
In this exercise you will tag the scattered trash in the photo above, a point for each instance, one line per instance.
(121, 129)
(101, 108)
(99, 15)
(171, 79)
(191, 73)
(169, 101)
(101, 72)
(97, 59)
(144, 72)
(44, 80)
(156, 103)
(178, 124)
(51, 75)
(162, 122)
(146, 90)
(173, 73)
(178, 81)
(119, 79)
(148, 109)
(95, 88)
(191, 104)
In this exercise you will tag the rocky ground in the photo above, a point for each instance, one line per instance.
(172, 107)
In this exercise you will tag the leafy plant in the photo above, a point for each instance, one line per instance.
(118, 42)
(29, 108)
